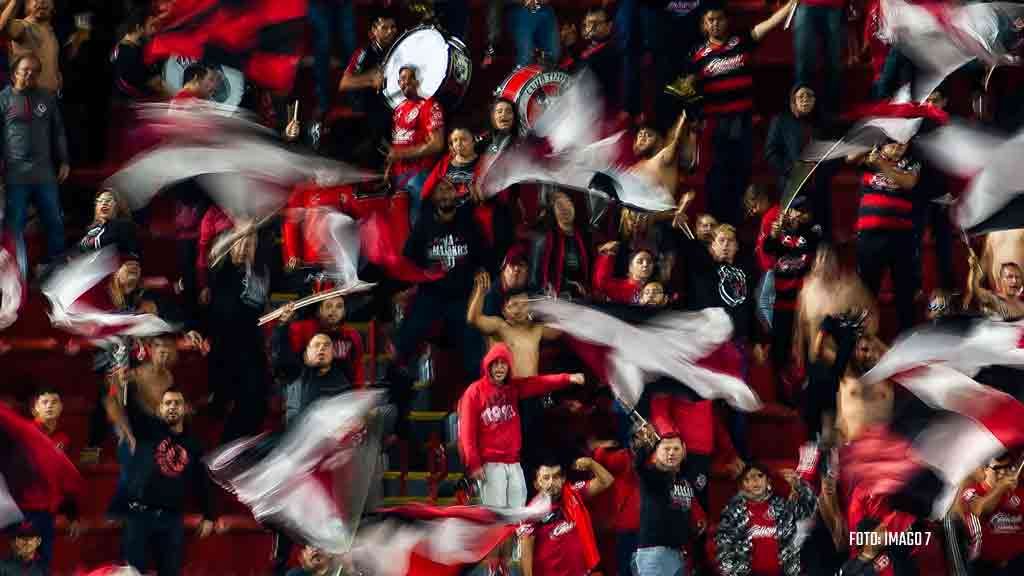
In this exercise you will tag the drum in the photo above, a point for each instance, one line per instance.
(442, 64)
(228, 93)
(529, 88)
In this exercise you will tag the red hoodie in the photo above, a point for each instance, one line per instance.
(489, 429)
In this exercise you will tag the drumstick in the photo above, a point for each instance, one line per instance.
(295, 112)
(789, 18)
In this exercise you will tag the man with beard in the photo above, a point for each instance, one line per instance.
(563, 543)
(417, 137)
(34, 34)
(1004, 301)
(314, 375)
(329, 320)
(602, 57)
(166, 465)
(859, 406)
(135, 395)
(362, 80)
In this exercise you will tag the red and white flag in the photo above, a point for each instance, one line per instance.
(69, 311)
(992, 200)
(940, 36)
(694, 348)
(420, 540)
(313, 481)
(12, 289)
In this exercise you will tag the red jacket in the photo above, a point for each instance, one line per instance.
(489, 429)
(348, 345)
(622, 290)
(695, 423)
(306, 196)
(625, 491)
(766, 260)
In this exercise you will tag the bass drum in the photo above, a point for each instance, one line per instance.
(442, 64)
(530, 88)
(229, 91)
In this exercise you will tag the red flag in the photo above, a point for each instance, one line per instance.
(37, 473)
(263, 38)
(888, 109)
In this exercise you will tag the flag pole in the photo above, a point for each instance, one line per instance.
(811, 172)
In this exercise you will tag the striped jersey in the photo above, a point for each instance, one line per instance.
(883, 205)
(725, 75)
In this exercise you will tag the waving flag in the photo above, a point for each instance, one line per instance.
(32, 468)
(939, 37)
(69, 311)
(11, 288)
(992, 200)
(691, 347)
(421, 540)
(961, 425)
(312, 481)
(263, 38)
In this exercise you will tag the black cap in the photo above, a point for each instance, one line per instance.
(26, 530)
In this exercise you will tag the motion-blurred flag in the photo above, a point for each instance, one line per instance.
(72, 309)
(694, 348)
(421, 540)
(33, 470)
(262, 38)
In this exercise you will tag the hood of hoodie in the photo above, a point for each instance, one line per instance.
(497, 352)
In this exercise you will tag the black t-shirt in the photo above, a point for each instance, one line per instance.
(457, 247)
(666, 499)
(606, 64)
(461, 175)
(711, 284)
(118, 232)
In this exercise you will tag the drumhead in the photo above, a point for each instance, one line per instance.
(424, 48)
(230, 91)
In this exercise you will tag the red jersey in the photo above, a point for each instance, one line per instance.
(623, 510)
(764, 541)
(1002, 530)
(489, 428)
(60, 439)
(412, 123)
(885, 206)
(557, 549)
(725, 75)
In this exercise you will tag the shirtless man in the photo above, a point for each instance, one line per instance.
(659, 162)
(149, 382)
(828, 291)
(1004, 301)
(859, 406)
(515, 328)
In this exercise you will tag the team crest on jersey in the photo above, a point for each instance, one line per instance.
(1014, 501)
(40, 109)
(412, 114)
(701, 481)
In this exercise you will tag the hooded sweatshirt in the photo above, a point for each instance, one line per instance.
(489, 428)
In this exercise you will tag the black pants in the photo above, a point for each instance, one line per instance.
(163, 531)
(818, 555)
(241, 379)
(732, 158)
(878, 251)
(430, 306)
(782, 339)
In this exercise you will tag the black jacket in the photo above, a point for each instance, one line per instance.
(305, 385)
(34, 141)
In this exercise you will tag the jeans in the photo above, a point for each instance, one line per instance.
(534, 30)
(165, 530)
(412, 183)
(327, 18)
(47, 199)
(633, 34)
(43, 522)
(811, 25)
(731, 165)
(658, 561)
(878, 250)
